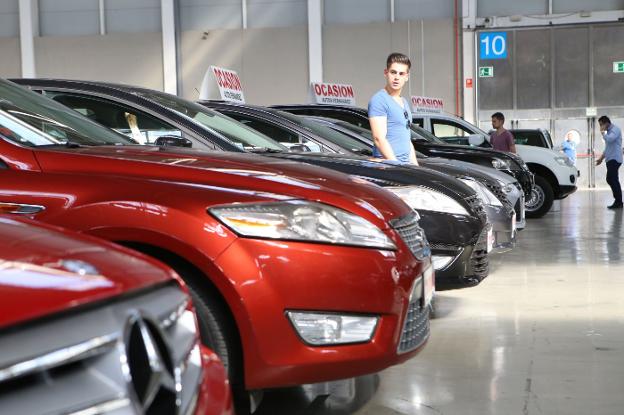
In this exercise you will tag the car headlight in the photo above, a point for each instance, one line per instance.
(564, 161)
(299, 220)
(319, 329)
(508, 188)
(486, 196)
(421, 198)
(501, 164)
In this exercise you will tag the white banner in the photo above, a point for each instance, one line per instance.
(427, 105)
(325, 93)
(230, 87)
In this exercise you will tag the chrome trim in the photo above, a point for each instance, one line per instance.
(104, 407)
(23, 209)
(59, 357)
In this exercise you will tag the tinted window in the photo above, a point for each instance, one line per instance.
(529, 138)
(138, 125)
(54, 123)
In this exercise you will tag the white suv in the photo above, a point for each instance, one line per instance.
(555, 175)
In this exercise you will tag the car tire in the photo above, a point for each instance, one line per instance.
(218, 332)
(541, 200)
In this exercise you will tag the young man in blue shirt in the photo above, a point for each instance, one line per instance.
(612, 137)
(390, 115)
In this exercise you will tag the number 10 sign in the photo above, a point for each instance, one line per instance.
(493, 45)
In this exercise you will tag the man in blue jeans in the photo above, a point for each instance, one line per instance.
(612, 137)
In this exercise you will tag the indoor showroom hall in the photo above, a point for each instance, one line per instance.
(541, 335)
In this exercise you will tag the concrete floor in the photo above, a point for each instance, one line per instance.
(543, 334)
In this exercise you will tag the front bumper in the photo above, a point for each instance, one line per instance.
(214, 397)
(503, 222)
(268, 278)
(469, 266)
(565, 191)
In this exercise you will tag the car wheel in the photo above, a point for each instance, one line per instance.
(541, 199)
(218, 332)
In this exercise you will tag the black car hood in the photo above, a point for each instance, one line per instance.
(456, 169)
(384, 173)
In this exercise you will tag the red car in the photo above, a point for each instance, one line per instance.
(299, 274)
(89, 326)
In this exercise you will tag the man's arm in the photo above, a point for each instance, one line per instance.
(610, 136)
(413, 158)
(512, 143)
(379, 128)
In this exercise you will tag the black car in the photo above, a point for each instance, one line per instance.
(427, 144)
(457, 227)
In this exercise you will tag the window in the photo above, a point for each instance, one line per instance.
(273, 131)
(141, 127)
(450, 132)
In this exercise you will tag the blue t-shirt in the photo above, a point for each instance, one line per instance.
(613, 143)
(569, 148)
(398, 135)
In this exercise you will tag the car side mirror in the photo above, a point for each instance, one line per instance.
(173, 141)
(476, 140)
(299, 148)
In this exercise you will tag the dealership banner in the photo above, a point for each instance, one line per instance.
(427, 105)
(228, 82)
(324, 93)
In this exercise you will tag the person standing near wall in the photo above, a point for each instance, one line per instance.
(501, 139)
(569, 146)
(390, 115)
(612, 136)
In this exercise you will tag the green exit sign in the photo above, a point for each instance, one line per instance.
(618, 67)
(486, 71)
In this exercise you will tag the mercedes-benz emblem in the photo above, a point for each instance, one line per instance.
(151, 369)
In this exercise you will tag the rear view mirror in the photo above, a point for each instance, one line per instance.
(475, 140)
(173, 141)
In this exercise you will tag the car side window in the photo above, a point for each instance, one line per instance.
(277, 133)
(142, 127)
(446, 129)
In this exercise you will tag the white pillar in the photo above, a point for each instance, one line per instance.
(315, 40)
(392, 12)
(244, 13)
(102, 10)
(169, 46)
(29, 28)
(468, 52)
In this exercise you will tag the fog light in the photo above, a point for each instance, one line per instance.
(441, 261)
(319, 329)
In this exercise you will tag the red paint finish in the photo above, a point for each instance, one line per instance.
(34, 285)
(160, 198)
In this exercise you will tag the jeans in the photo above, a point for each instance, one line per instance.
(613, 180)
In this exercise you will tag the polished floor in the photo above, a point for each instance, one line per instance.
(543, 334)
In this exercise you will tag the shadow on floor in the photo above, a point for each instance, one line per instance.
(330, 398)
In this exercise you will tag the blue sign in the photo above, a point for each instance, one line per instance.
(493, 45)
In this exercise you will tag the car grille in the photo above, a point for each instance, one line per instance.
(416, 326)
(479, 259)
(413, 235)
(500, 194)
(98, 360)
(476, 207)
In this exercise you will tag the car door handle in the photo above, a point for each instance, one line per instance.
(20, 209)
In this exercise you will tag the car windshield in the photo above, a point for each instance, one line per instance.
(33, 120)
(231, 129)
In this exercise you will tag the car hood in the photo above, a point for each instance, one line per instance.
(458, 167)
(384, 173)
(46, 270)
(250, 172)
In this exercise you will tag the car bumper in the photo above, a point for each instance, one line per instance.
(270, 278)
(469, 264)
(565, 191)
(503, 222)
(214, 397)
